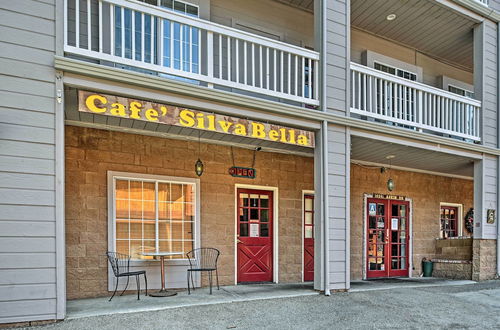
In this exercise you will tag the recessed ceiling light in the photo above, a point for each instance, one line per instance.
(391, 17)
(390, 157)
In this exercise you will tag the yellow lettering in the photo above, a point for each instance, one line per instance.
(240, 129)
(283, 135)
(201, 121)
(90, 103)
(292, 136)
(211, 122)
(273, 135)
(225, 125)
(302, 140)
(118, 110)
(151, 115)
(186, 118)
(163, 110)
(135, 108)
(258, 131)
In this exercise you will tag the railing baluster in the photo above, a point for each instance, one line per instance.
(143, 38)
(132, 16)
(162, 42)
(245, 78)
(100, 28)
(309, 79)
(316, 80)
(112, 49)
(303, 77)
(268, 72)
(261, 66)
(275, 69)
(181, 47)
(354, 91)
(122, 41)
(289, 75)
(359, 89)
(296, 75)
(237, 59)
(363, 76)
(252, 66)
(229, 75)
(89, 26)
(281, 71)
(220, 56)
(77, 23)
(171, 51)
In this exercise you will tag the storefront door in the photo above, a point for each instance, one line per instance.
(255, 236)
(387, 238)
(308, 237)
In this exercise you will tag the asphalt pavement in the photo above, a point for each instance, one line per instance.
(475, 306)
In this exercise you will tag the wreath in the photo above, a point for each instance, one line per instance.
(469, 220)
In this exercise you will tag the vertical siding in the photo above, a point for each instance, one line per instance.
(27, 161)
(490, 89)
(490, 178)
(337, 55)
(338, 187)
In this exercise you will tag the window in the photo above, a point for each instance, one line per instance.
(449, 221)
(153, 215)
(460, 91)
(308, 216)
(395, 71)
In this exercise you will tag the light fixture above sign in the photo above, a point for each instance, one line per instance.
(391, 17)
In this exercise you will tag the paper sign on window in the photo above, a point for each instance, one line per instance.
(394, 224)
(254, 230)
(372, 209)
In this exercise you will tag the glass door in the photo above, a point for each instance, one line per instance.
(387, 238)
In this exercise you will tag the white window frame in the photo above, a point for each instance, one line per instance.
(460, 218)
(369, 58)
(113, 176)
(396, 69)
(447, 82)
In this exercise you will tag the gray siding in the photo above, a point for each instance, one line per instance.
(485, 196)
(338, 206)
(337, 55)
(27, 161)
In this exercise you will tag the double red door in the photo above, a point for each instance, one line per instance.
(387, 238)
(254, 236)
(308, 237)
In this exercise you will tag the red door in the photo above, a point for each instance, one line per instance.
(308, 237)
(255, 236)
(387, 238)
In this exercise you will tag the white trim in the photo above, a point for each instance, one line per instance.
(370, 57)
(275, 191)
(460, 216)
(410, 236)
(304, 193)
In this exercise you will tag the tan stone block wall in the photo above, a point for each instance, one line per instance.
(90, 153)
(454, 249)
(484, 259)
(426, 192)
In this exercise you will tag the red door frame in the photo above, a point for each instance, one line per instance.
(255, 252)
(387, 233)
(308, 251)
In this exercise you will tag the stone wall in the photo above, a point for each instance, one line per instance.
(484, 259)
(90, 153)
(425, 191)
(453, 258)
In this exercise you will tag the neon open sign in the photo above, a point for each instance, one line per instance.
(242, 172)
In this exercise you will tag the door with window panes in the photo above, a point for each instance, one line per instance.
(254, 236)
(308, 237)
(387, 238)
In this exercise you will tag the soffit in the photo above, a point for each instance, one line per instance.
(307, 5)
(421, 24)
(375, 151)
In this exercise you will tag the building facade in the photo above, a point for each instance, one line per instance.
(308, 141)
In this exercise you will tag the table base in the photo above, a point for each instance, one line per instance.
(163, 293)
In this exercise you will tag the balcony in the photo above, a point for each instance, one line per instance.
(393, 100)
(136, 36)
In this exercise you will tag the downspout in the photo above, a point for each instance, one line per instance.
(324, 132)
(324, 152)
(498, 146)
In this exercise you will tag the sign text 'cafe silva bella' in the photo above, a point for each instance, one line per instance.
(122, 107)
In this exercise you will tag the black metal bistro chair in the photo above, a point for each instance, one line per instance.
(121, 264)
(203, 260)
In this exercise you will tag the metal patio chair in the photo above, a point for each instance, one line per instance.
(203, 260)
(121, 268)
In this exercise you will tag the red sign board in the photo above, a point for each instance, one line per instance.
(242, 172)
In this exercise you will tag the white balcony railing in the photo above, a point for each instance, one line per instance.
(386, 97)
(155, 40)
(484, 2)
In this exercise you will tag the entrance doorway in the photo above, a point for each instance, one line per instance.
(308, 237)
(254, 236)
(387, 238)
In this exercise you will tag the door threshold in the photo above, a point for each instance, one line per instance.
(250, 283)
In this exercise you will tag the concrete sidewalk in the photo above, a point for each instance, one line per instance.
(227, 294)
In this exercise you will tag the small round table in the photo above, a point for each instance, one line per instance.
(163, 291)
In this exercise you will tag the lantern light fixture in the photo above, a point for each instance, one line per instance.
(391, 17)
(198, 166)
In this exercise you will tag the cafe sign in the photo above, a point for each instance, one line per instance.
(122, 107)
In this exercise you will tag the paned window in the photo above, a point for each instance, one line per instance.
(309, 216)
(153, 216)
(449, 221)
(460, 91)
